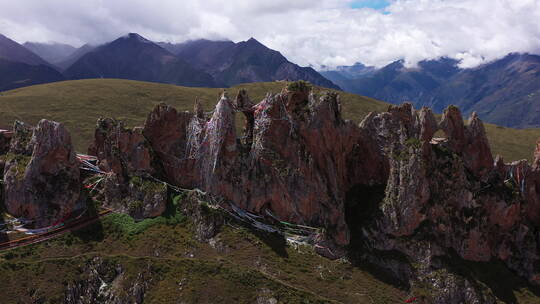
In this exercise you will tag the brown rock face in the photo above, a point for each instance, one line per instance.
(5, 139)
(300, 160)
(297, 158)
(449, 194)
(469, 142)
(528, 181)
(167, 133)
(127, 157)
(41, 173)
(428, 124)
(120, 150)
(453, 126)
(299, 152)
(477, 153)
(536, 156)
(403, 138)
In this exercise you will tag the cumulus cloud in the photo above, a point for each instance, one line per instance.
(318, 33)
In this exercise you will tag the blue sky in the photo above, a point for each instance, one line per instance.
(374, 4)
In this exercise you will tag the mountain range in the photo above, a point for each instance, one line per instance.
(248, 61)
(134, 57)
(20, 67)
(12, 51)
(53, 53)
(505, 91)
(199, 63)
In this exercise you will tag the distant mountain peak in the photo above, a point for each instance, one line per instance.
(52, 52)
(254, 42)
(135, 57)
(15, 52)
(246, 61)
(136, 37)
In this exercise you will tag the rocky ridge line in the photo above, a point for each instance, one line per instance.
(385, 185)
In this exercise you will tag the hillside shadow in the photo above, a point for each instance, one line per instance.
(361, 207)
(502, 281)
(3, 237)
(391, 267)
(274, 241)
(385, 275)
(94, 231)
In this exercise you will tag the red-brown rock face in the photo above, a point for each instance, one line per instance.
(127, 158)
(299, 152)
(470, 142)
(120, 150)
(477, 153)
(452, 125)
(167, 132)
(300, 160)
(41, 173)
(450, 194)
(296, 161)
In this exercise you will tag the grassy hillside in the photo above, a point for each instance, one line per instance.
(78, 104)
(237, 267)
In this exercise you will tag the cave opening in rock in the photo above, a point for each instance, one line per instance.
(361, 208)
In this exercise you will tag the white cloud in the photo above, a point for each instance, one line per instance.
(326, 32)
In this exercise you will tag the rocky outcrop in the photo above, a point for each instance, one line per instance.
(5, 139)
(167, 133)
(384, 189)
(530, 183)
(128, 160)
(469, 142)
(105, 282)
(446, 195)
(41, 174)
(298, 159)
(294, 161)
(121, 151)
(205, 216)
